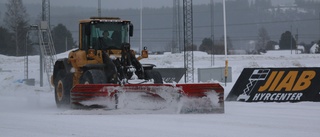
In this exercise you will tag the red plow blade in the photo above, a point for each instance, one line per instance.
(181, 98)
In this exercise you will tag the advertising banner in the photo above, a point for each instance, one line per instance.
(170, 75)
(277, 85)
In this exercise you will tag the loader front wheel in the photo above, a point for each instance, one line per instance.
(155, 75)
(93, 77)
(62, 90)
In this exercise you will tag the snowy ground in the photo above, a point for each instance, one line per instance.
(30, 111)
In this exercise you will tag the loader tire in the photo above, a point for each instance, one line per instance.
(110, 69)
(93, 77)
(155, 75)
(62, 87)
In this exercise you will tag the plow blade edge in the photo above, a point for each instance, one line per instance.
(182, 98)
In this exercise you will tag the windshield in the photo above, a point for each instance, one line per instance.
(106, 35)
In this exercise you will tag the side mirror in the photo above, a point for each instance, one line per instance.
(131, 30)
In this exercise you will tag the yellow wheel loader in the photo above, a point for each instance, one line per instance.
(104, 72)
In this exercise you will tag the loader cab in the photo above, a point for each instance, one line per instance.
(92, 30)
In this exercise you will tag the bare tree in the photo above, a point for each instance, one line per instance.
(263, 39)
(16, 20)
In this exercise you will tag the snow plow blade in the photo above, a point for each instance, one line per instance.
(179, 98)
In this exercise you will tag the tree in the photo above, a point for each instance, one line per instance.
(310, 4)
(191, 47)
(16, 20)
(62, 36)
(270, 45)
(218, 48)
(263, 38)
(262, 4)
(6, 40)
(287, 41)
(206, 45)
(229, 42)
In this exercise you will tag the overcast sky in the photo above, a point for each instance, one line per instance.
(114, 4)
(124, 4)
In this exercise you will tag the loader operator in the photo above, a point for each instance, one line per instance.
(106, 40)
(116, 38)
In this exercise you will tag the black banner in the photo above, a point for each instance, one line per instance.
(277, 85)
(170, 75)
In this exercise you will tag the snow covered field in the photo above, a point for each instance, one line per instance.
(30, 111)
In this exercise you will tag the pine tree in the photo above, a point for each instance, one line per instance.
(61, 35)
(206, 45)
(287, 41)
(6, 40)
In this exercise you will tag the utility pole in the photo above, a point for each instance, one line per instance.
(141, 6)
(291, 35)
(99, 8)
(47, 51)
(46, 11)
(45, 17)
(297, 37)
(212, 30)
(176, 27)
(188, 40)
(225, 42)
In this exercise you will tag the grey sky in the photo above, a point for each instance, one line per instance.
(124, 4)
(114, 4)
